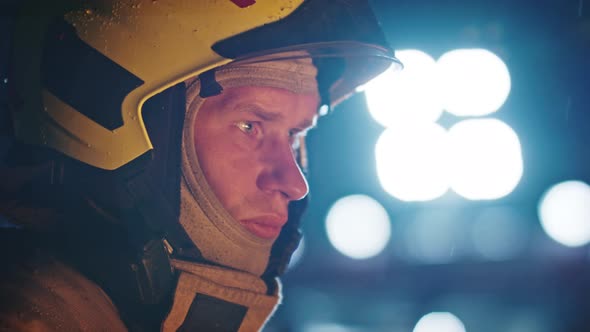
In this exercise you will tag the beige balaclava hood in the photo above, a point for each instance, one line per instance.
(219, 237)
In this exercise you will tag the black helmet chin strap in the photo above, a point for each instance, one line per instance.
(287, 242)
(155, 193)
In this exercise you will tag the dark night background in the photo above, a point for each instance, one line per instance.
(546, 286)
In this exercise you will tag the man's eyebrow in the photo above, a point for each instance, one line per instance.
(261, 113)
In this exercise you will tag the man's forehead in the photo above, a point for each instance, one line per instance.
(273, 103)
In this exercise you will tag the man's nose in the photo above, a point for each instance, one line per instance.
(281, 173)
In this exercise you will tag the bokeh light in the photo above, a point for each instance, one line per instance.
(486, 159)
(439, 322)
(564, 211)
(405, 96)
(499, 233)
(412, 161)
(472, 82)
(358, 226)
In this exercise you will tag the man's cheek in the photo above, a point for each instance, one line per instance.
(240, 143)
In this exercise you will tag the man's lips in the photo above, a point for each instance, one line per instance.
(266, 227)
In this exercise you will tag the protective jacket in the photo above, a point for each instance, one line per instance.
(73, 281)
(40, 292)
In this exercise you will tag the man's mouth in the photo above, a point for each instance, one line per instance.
(267, 227)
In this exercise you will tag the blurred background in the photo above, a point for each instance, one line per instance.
(451, 197)
(454, 196)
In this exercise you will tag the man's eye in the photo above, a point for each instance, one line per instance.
(246, 126)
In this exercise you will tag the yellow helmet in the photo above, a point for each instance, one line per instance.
(81, 73)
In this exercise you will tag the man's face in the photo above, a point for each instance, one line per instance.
(244, 140)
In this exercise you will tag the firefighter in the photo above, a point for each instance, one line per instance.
(156, 179)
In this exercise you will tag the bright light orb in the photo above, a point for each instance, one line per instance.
(486, 159)
(411, 161)
(408, 95)
(439, 322)
(564, 211)
(472, 82)
(358, 226)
